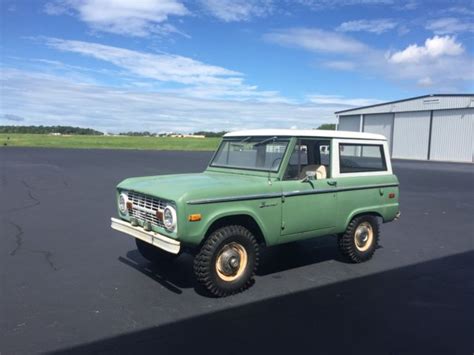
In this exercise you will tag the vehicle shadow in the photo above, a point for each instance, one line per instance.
(293, 255)
(175, 275)
(424, 308)
(178, 274)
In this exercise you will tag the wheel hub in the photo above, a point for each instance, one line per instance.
(363, 236)
(231, 261)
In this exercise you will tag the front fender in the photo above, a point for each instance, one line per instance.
(268, 220)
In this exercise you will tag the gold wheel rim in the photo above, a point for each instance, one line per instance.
(231, 261)
(363, 236)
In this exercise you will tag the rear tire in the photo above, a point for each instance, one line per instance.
(227, 261)
(361, 238)
(154, 254)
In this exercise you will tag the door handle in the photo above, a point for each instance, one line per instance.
(332, 182)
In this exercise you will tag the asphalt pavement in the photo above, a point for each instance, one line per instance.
(70, 284)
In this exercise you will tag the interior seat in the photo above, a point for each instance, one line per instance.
(320, 170)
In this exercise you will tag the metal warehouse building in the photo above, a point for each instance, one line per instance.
(431, 127)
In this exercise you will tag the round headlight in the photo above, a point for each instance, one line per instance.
(122, 203)
(169, 218)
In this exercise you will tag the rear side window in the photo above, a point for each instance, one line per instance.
(359, 158)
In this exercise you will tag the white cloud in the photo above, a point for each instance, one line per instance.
(377, 26)
(433, 48)
(449, 25)
(436, 63)
(50, 100)
(199, 79)
(460, 10)
(133, 18)
(340, 65)
(318, 5)
(325, 4)
(441, 64)
(315, 40)
(163, 67)
(338, 100)
(426, 82)
(237, 10)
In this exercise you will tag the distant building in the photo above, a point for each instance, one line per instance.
(430, 127)
(187, 136)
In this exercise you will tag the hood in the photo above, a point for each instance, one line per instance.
(195, 186)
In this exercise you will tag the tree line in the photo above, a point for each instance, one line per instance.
(50, 129)
(90, 131)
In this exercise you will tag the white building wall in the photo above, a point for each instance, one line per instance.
(349, 123)
(381, 124)
(435, 102)
(411, 135)
(453, 135)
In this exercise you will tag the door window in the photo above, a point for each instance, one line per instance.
(309, 155)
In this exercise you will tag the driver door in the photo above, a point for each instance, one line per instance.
(309, 205)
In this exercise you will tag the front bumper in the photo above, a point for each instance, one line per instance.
(156, 239)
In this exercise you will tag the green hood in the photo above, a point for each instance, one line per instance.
(195, 186)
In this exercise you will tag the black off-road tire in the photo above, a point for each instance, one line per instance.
(205, 268)
(347, 241)
(154, 254)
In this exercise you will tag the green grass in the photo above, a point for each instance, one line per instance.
(107, 142)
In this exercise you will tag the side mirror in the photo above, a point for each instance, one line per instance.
(310, 176)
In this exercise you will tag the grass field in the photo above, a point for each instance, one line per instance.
(107, 142)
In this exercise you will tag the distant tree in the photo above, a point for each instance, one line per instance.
(328, 126)
(137, 134)
(50, 129)
(210, 134)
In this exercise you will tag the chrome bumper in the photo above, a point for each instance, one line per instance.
(156, 239)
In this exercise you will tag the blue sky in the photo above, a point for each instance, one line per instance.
(177, 65)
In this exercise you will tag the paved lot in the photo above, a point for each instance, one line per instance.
(71, 284)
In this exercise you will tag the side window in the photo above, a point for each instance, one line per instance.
(298, 158)
(324, 154)
(309, 155)
(357, 158)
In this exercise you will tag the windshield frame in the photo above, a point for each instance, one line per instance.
(244, 139)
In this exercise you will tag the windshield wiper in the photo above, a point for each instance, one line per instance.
(265, 141)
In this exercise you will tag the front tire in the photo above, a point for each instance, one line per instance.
(361, 238)
(227, 261)
(152, 253)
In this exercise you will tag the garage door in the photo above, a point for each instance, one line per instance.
(411, 135)
(380, 124)
(452, 135)
(349, 123)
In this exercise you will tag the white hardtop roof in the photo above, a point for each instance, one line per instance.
(305, 133)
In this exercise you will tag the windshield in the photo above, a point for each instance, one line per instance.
(251, 153)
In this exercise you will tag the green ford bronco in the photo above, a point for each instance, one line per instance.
(263, 188)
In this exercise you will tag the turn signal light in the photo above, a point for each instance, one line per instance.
(129, 205)
(194, 217)
(391, 195)
(159, 215)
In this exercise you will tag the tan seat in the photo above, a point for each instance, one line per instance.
(320, 170)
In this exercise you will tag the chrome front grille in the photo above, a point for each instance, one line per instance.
(144, 208)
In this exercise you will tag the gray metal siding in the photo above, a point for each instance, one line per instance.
(381, 124)
(411, 135)
(349, 123)
(421, 104)
(453, 135)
